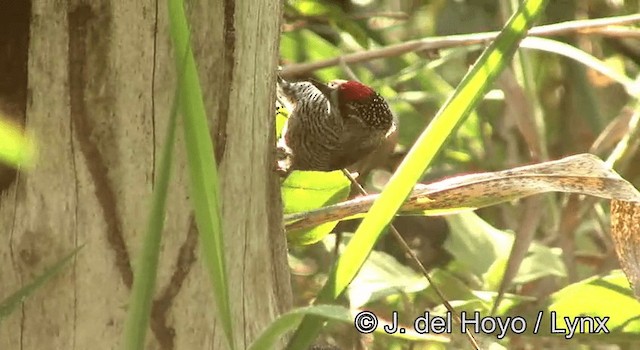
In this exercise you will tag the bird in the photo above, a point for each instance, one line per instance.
(330, 126)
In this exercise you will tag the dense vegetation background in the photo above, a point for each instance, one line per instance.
(572, 89)
(546, 105)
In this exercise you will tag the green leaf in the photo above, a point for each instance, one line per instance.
(16, 148)
(608, 296)
(456, 288)
(313, 8)
(307, 190)
(381, 276)
(305, 45)
(484, 250)
(475, 243)
(474, 85)
(9, 304)
(202, 167)
(542, 261)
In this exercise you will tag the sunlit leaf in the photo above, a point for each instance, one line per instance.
(608, 296)
(307, 190)
(16, 147)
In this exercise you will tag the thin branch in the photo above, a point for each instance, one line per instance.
(582, 26)
(398, 237)
(323, 18)
(389, 14)
(615, 32)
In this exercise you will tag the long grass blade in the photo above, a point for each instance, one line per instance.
(9, 304)
(202, 168)
(147, 266)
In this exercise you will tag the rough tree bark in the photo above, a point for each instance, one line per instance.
(101, 81)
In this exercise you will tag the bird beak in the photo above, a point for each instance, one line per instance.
(326, 90)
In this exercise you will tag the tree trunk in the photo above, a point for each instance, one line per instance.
(101, 79)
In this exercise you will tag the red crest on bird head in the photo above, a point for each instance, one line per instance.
(354, 91)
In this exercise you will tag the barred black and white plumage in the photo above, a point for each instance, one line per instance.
(331, 126)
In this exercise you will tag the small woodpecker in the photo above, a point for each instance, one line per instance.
(330, 126)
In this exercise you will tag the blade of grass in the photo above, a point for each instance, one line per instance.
(586, 59)
(145, 275)
(472, 88)
(202, 168)
(8, 305)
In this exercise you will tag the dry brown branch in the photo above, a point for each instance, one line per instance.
(599, 26)
(583, 174)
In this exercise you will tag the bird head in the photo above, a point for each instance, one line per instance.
(356, 100)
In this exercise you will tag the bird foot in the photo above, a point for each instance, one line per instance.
(283, 160)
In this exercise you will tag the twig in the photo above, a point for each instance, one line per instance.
(615, 31)
(388, 14)
(582, 26)
(417, 261)
(326, 19)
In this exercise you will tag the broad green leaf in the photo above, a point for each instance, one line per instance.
(203, 173)
(607, 296)
(484, 250)
(381, 276)
(307, 190)
(474, 85)
(9, 304)
(475, 243)
(542, 261)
